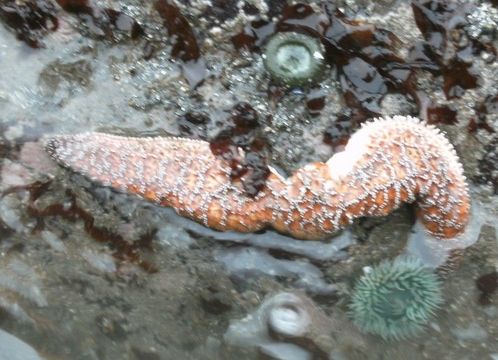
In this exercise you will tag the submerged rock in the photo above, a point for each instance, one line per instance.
(13, 348)
(289, 325)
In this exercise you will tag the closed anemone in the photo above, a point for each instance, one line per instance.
(294, 59)
(396, 298)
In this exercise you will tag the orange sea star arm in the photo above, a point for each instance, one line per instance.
(386, 163)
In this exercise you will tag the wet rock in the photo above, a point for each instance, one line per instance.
(164, 311)
(173, 236)
(100, 261)
(473, 332)
(216, 293)
(185, 46)
(221, 10)
(214, 301)
(145, 354)
(485, 110)
(289, 325)
(30, 20)
(482, 22)
(247, 263)
(483, 255)
(393, 104)
(31, 165)
(20, 278)
(53, 241)
(16, 349)
(9, 306)
(487, 284)
(276, 7)
(66, 76)
(14, 174)
(283, 351)
(488, 166)
(34, 157)
(364, 8)
(115, 327)
(103, 23)
(333, 250)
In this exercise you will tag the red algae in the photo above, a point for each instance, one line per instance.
(337, 135)
(363, 55)
(315, 101)
(103, 22)
(71, 211)
(193, 125)
(436, 20)
(441, 114)
(185, 45)
(488, 106)
(366, 60)
(239, 129)
(242, 130)
(30, 21)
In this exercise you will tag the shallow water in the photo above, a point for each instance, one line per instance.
(104, 275)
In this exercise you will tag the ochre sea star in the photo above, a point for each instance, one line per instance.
(386, 163)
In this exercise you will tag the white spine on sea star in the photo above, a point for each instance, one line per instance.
(386, 163)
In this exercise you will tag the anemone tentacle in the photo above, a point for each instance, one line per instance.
(395, 299)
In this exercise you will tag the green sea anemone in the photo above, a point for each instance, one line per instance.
(396, 298)
(294, 59)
